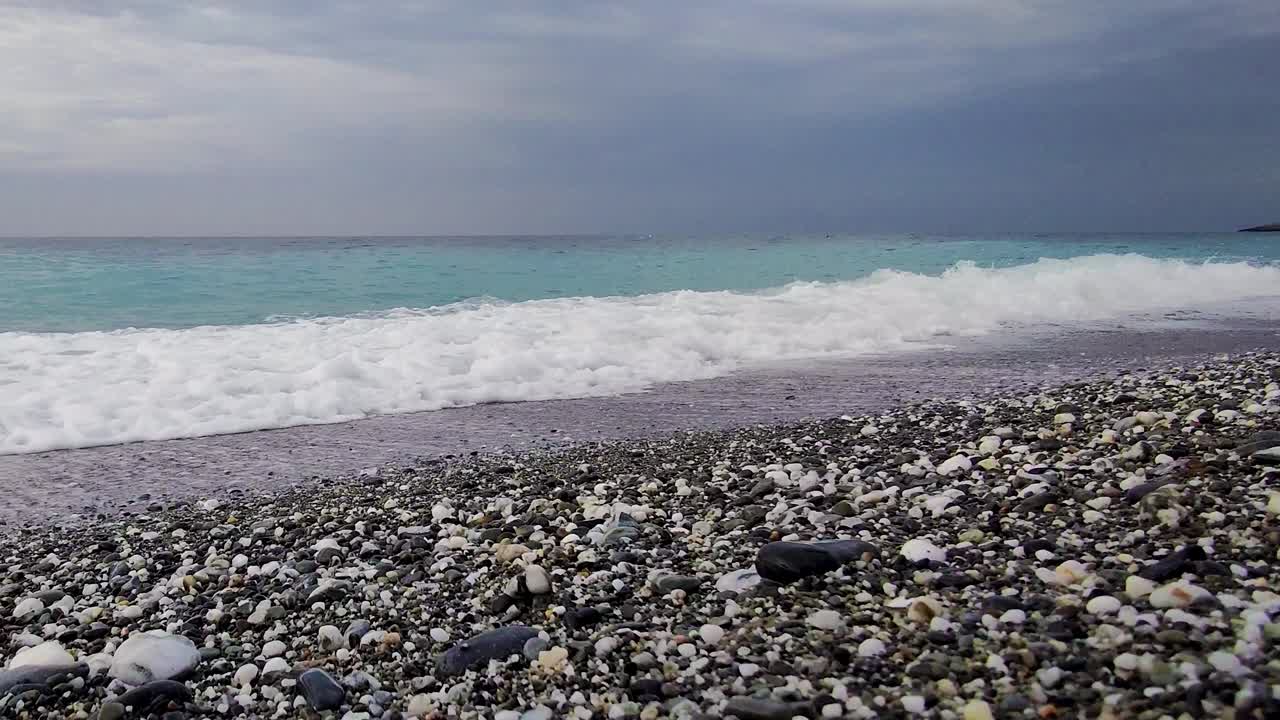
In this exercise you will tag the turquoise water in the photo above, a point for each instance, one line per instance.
(69, 285)
(120, 340)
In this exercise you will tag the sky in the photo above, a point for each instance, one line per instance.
(296, 117)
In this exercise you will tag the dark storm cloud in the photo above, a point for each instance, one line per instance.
(417, 117)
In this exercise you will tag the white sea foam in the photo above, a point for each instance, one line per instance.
(93, 388)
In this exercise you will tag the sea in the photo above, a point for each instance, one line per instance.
(106, 341)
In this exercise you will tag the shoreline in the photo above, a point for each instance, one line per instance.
(80, 485)
(1100, 548)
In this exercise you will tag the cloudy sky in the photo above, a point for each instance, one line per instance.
(415, 117)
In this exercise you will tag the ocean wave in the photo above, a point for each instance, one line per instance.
(94, 388)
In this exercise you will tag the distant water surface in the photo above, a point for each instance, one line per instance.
(70, 285)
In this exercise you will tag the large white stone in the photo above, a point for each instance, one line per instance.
(871, 647)
(537, 580)
(49, 653)
(156, 655)
(738, 580)
(27, 609)
(918, 549)
(955, 464)
(825, 619)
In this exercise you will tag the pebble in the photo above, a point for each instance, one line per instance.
(1103, 605)
(788, 562)
(977, 710)
(246, 674)
(825, 620)
(1096, 566)
(1177, 595)
(330, 638)
(711, 634)
(152, 656)
(747, 708)
(738, 581)
(537, 580)
(321, 690)
(958, 463)
(155, 693)
(871, 647)
(27, 609)
(497, 644)
(50, 653)
(921, 549)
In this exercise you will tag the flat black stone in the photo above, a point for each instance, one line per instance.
(747, 708)
(1172, 565)
(1137, 492)
(497, 644)
(788, 562)
(646, 689)
(582, 617)
(321, 690)
(1035, 503)
(155, 694)
(39, 675)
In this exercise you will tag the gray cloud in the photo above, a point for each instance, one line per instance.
(417, 117)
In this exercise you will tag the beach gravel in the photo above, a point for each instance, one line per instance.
(1103, 549)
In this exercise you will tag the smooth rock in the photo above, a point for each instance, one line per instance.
(668, 582)
(786, 562)
(330, 638)
(1172, 565)
(321, 690)
(27, 609)
(152, 656)
(921, 549)
(46, 654)
(497, 644)
(537, 580)
(871, 647)
(738, 581)
(149, 696)
(825, 620)
(749, 708)
(958, 463)
(36, 675)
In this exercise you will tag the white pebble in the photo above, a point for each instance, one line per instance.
(28, 608)
(919, 549)
(46, 653)
(825, 620)
(1013, 617)
(1138, 587)
(871, 647)
(1127, 662)
(1102, 605)
(537, 580)
(955, 464)
(246, 674)
(711, 634)
(1177, 594)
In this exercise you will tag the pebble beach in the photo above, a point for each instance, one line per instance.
(1106, 548)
